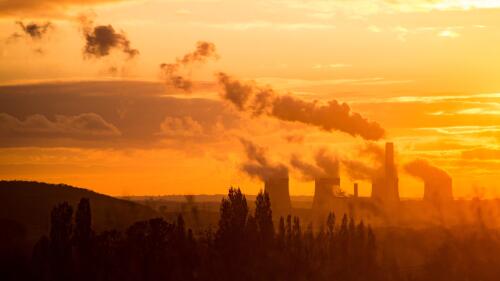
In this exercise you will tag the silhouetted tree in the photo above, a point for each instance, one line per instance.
(264, 218)
(60, 242)
(82, 239)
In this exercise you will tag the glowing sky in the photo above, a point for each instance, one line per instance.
(426, 70)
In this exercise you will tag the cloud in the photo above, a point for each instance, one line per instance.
(87, 125)
(258, 165)
(138, 109)
(102, 39)
(35, 30)
(184, 126)
(332, 116)
(481, 154)
(251, 25)
(171, 71)
(44, 8)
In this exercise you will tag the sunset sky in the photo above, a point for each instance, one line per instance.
(426, 71)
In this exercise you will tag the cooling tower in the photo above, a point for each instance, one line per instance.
(438, 190)
(385, 188)
(325, 189)
(279, 195)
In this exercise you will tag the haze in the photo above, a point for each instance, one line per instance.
(175, 97)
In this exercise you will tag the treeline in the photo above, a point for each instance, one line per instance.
(244, 246)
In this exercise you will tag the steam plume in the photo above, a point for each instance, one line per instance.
(170, 71)
(357, 170)
(329, 117)
(326, 166)
(308, 171)
(328, 163)
(102, 39)
(423, 170)
(257, 164)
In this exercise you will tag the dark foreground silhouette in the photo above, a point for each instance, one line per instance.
(245, 246)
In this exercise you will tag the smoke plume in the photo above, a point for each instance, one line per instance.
(423, 170)
(360, 170)
(326, 166)
(327, 162)
(308, 171)
(357, 170)
(171, 71)
(102, 39)
(265, 101)
(259, 166)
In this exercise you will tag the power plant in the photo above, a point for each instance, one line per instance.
(325, 190)
(328, 194)
(438, 190)
(279, 194)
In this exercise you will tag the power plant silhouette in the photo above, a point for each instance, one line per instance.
(385, 189)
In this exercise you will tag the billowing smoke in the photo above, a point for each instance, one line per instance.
(357, 170)
(171, 71)
(326, 166)
(265, 101)
(327, 162)
(34, 30)
(423, 170)
(259, 166)
(370, 170)
(102, 39)
(307, 170)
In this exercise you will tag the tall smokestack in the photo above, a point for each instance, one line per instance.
(356, 195)
(279, 194)
(386, 188)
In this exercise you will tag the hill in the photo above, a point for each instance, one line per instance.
(28, 204)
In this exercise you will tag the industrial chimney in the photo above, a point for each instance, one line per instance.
(279, 195)
(325, 189)
(356, 195)
(385, 188)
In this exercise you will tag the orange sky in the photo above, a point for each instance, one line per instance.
(426, 71)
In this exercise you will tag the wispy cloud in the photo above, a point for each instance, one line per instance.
(250, 25)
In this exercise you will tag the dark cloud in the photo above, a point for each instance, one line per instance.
(139, 110)
(35, 30)
(258, 165)
(102, 39)
(87, 125)
(172, 71)
(43, 8)
(332, 116)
